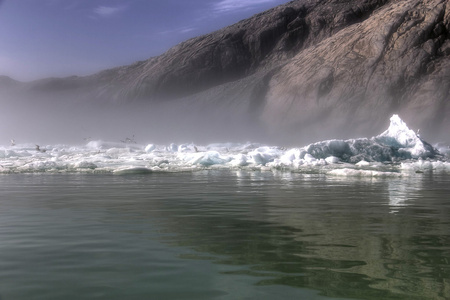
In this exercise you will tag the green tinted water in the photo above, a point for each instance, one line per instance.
(224, 235)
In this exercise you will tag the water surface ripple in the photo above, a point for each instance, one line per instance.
(221, 234)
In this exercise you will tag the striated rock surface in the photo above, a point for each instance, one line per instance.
(311, 69)
(395, 60)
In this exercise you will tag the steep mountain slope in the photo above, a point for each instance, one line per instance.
(259, 43)
(308, 68)
(396, 60)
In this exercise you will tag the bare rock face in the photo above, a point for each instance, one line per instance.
(259, 43)
(308, 68)
(397, 60)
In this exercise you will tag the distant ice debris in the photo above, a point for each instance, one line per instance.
(363, 163)
(150, 148)
(443, 149)
(172, 148)
(131, 171)
(396, 152)
(349, 172)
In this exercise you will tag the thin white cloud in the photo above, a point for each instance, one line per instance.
(108, 11)
(231, 5)
(186, 30)
(180, 30)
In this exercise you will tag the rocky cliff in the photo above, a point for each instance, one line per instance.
(307, 68)
(397, 59)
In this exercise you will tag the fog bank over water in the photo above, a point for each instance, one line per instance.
(53, 121)
(69, 120)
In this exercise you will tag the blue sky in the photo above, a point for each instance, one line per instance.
(44, 38)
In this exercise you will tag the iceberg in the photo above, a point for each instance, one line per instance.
(398, 151)
(398, 142)
(398, 136)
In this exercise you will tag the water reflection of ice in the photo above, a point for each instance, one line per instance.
(401, 193)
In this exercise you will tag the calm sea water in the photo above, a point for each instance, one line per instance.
(224, 235)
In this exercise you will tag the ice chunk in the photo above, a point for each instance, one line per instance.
(263, 155)
(338, 148)
(13, 153)
(183, 148)
(104, 145)
(132, 171)
(172, 148)
(206, 158)
(150, 148)
(227, 147)
(443, 149)
(187, 148)
(363, 163)
(332, 160)
(39, 166)
(85, 165)
(291, 155)
(362, 173)
(309, 158)
(399, 136)
(421, 166)
(118, 152)
(239, 160)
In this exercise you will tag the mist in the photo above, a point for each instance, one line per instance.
(69, 120)
(75, 120)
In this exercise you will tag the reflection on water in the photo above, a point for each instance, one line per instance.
(403, 191)
(398, 195)
(224, 234)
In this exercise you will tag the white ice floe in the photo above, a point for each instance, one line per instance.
(131, 170)
(425, 166)
(150, 148)
(362, 163)
(348, 172)
(396, 151)
(332, 160)
(207, 158)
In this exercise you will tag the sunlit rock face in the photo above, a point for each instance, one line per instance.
(395, 60)
(260, 43)
(310, 69)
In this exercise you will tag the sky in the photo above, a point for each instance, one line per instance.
(58, 38)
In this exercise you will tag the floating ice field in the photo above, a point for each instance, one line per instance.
(396, 152)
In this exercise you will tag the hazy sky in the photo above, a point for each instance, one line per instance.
(44, 38)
